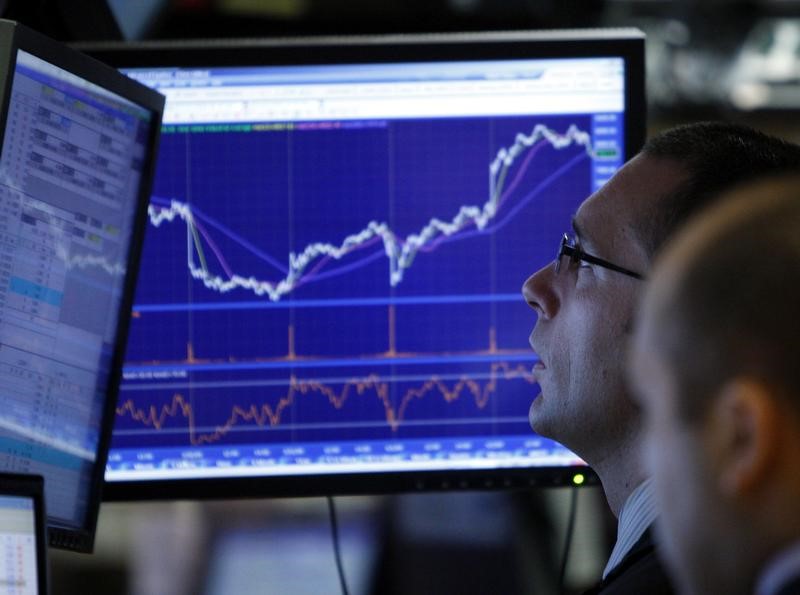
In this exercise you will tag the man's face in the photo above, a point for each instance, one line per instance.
(584, 315)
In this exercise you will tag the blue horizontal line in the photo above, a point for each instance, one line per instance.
(233, 384)
(332, 303)
(334, 363)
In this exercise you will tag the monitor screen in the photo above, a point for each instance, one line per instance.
(23, 545)
(329, 299)
(77, 144)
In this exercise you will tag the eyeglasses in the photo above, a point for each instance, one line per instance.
(571, 247)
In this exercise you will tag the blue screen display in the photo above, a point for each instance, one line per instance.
(331, 275)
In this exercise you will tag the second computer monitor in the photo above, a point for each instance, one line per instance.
(330, 300)
(76, 163)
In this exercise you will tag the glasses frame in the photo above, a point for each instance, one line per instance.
(572, 248)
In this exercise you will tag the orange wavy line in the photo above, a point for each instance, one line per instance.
(265, 414)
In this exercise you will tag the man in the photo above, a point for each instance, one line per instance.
(585, 302)
(716, 368)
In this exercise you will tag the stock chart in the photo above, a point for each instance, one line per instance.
(328, 285)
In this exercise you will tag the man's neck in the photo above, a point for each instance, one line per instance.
(620, 473)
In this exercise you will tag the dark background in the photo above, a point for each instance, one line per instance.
(712, 58)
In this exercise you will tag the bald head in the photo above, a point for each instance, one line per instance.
(716, 372)
(725, 300)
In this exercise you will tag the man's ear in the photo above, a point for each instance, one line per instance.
(743, 426)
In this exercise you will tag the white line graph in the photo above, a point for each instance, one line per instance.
(400, 252)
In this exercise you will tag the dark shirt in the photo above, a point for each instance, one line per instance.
(640, 572)
(790, 588)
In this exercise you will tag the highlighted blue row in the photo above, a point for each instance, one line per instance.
(37, 292)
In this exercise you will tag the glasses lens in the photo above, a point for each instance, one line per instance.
(563, 248)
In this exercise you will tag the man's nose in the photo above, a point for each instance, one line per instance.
(539, 291)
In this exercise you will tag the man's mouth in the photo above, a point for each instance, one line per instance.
(539, 364)
(538, 367)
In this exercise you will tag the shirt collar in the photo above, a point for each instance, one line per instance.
(638, 513)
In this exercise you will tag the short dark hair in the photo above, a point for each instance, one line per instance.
(734, 310)
(716, 156)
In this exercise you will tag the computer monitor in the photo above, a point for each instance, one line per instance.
(24, 568)
(23, 540)
(76, 162)
(329, 299)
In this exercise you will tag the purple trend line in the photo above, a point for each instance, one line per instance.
(508, 217)
(311, 275)
(345, 268)
(515, 182)
(231, 234)
(214, 248)
(516, 209)
(520, 172)
(511, 213)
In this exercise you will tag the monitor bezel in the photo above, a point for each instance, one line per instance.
(32, 486)
(14, 37)
(625, 43)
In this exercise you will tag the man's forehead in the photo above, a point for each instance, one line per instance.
(612, 212)
(597, 218)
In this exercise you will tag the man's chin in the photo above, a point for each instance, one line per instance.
(537, 417)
